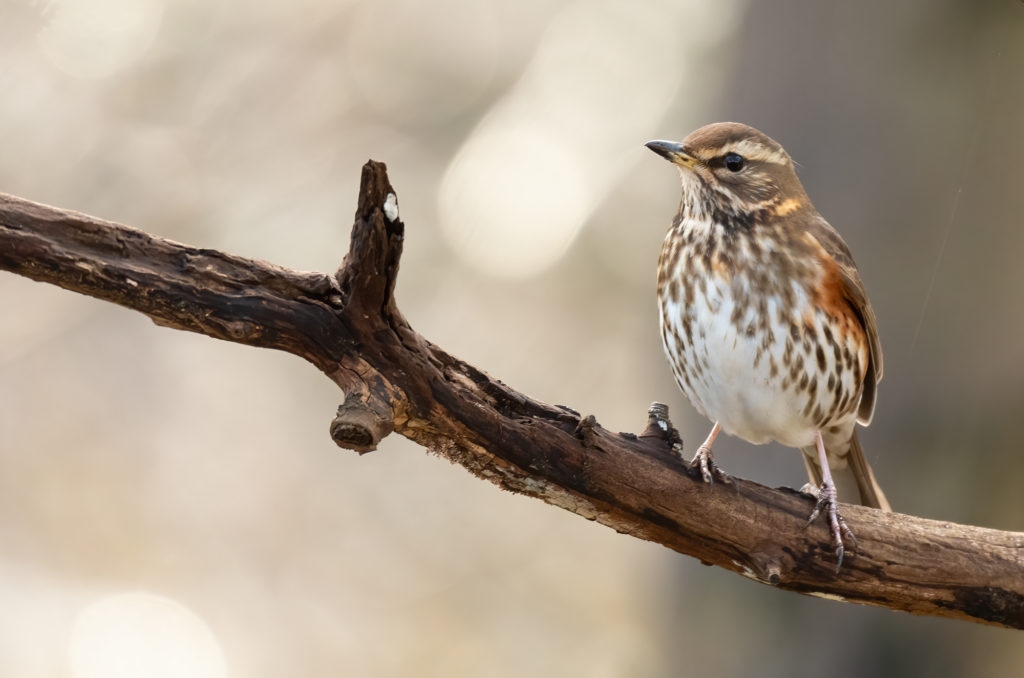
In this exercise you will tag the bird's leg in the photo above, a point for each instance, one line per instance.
(827, 501)
(703, 458)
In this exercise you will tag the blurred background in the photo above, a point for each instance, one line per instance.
(172, 505)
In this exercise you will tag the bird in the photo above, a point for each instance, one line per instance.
(764, 318)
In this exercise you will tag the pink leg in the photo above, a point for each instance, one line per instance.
(827, 501)
(703, 457)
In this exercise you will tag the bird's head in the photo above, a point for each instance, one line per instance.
(737, 165)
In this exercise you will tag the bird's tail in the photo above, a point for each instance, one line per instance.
(854, 481)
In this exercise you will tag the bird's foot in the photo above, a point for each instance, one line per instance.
(838, 528)
(708, 469)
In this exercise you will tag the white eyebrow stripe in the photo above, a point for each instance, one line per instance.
(751, 150)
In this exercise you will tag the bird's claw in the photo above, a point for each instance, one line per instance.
(708, 468)
(838, 528)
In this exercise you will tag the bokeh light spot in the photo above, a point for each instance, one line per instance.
(142, 634)
(512, 200)
(96, 38)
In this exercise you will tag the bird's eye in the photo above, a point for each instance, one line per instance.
(734, 161)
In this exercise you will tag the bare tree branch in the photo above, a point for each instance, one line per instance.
(395, 380)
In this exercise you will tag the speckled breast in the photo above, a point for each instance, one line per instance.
(751, 339)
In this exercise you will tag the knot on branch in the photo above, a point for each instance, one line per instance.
(586, 430)
(766, 564)
(361, 423)
(659, 426)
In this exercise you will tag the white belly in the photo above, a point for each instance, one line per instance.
(743, 368)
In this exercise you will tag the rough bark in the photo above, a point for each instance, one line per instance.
(393, 379)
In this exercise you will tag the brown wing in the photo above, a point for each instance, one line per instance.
(853, 291)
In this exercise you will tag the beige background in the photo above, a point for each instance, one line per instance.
(199, 474)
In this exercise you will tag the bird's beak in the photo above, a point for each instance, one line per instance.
(673, 152)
